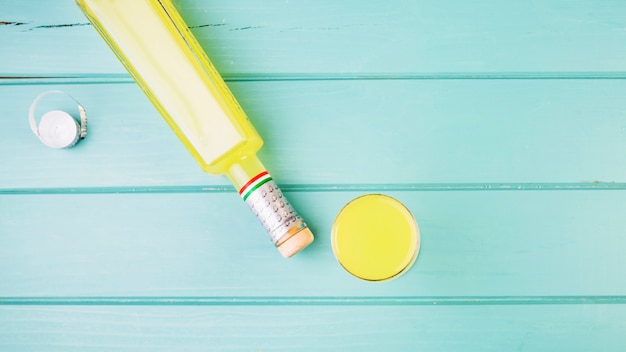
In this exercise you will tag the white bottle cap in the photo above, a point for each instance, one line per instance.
(57, 129)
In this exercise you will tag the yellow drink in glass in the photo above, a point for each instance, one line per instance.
(159, 51)
(375, 237)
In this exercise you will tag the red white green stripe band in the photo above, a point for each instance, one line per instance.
(254, 183)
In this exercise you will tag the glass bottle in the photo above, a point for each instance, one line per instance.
(159, 51)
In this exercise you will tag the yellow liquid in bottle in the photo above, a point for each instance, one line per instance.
(375, 237)
(161, 54)
(151, 40)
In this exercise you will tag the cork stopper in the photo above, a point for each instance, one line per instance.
(296, 243)
(285, 227)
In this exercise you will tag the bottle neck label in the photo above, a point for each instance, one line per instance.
(270, 206)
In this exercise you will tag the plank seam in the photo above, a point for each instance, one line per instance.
(374, 187)
(312, 301)
(122, 78)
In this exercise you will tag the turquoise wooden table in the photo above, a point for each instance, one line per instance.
(500, 125)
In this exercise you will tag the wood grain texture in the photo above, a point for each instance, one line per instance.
(501, 126)
(351, 36)
(433, 328)
(343, 132)
(473, 244)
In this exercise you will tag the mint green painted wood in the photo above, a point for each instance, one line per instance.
(450, 131)
(351, 36)
(543, 243)
(350, 328)
(501, 125)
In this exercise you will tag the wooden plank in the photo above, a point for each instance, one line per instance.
(277, 328)
(341, 132)
(533, 243)
(392, 37)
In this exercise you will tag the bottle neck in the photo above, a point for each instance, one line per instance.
(255, 186)
(244, 171)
